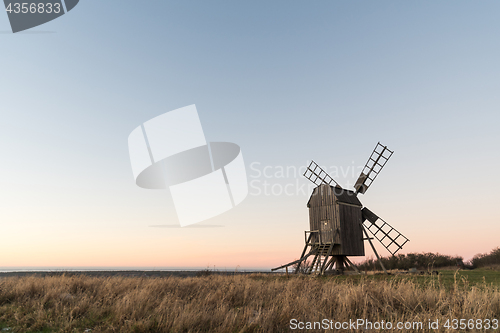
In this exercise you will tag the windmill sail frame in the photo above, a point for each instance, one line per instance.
(376, 162)
(386, 234)
(318, 176)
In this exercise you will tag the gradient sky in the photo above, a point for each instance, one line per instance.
(289, 81)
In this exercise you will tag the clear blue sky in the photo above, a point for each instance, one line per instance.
(288, 81)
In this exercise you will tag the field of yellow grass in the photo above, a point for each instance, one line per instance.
(236, 303)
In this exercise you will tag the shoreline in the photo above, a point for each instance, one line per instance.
(129, 273)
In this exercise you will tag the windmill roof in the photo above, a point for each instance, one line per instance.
(342, 195)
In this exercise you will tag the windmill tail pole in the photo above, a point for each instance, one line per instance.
(286, 265)
(375, 251)
(292, 263)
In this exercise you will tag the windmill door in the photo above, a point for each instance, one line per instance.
(326, 230)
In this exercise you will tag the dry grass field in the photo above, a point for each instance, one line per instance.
(238, 303)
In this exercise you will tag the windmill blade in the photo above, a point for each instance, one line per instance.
(318, 176)
(376, 162)
(388, 236)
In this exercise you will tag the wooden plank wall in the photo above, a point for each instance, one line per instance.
(352, 234)
(322, 209)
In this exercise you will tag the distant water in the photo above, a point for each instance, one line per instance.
(116, 269)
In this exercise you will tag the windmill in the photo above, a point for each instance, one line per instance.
(339, 224)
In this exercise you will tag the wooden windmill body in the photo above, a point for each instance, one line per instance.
(339, 223)
(336, 215)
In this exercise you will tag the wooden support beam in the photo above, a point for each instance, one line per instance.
(313, 263)
(373, 248)
(352, 265)
(323, 267)
(292, 263)
(318, 264)
(303, 252)
(329, 266)
(340, 263)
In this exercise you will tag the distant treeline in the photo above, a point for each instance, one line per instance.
(411, 260)
(431, 260)
(482, 260)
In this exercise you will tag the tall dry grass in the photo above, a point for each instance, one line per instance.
(240, 303)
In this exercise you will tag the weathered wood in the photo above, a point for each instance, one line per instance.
(369, 173)
(292, 263)
(351, 235)
(303, 252)
(329, 264)
(352, 265)
(313, 263)
(339, 261)
(336, 214)
(374, 250)
(330, 249)
(346, 204)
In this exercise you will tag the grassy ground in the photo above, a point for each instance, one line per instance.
(447, 278)
(242, 303)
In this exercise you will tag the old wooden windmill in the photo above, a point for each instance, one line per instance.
(338, 221)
